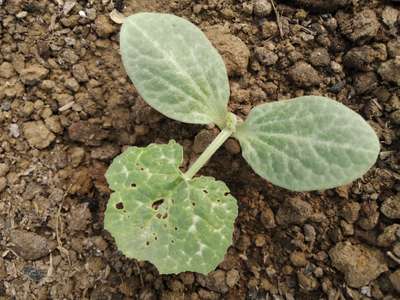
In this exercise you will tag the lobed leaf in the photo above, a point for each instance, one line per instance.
(308, 143)
(156, 215)
(175, 68)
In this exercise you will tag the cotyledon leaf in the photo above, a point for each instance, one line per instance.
(308, 143)
(156, 215)
(175, 68)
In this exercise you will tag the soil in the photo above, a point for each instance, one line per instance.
(67, 109)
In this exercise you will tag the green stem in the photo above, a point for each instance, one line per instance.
(205, 156)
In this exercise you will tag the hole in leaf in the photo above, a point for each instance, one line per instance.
(194, 204)
(156, 204)
(147, 243)
(119, 205)
(172, 241)
(156, 238)
(164, 216)
(176, 228)
(158, 215)
(227, 194)
(133, 185)
(205, 191)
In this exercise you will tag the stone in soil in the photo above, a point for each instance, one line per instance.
(359, 264)
(389, 70)
(391, 207)
(29, 245)
(235, 53)
(294, 211)
(304, 75)
(37, 134)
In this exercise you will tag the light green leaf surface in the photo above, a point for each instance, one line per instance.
(156, 215)
(308, 143)
(175, 68)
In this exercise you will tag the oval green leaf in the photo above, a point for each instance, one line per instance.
(155, 215)
(175, 68)
(308, 143)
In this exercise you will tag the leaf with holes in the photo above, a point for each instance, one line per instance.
(308, 143)
(154, 214)
(175, 68)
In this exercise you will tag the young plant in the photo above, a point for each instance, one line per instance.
(183, 223)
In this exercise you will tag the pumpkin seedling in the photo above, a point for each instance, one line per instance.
(180, 222)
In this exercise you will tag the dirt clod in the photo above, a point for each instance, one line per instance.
(359, 27)
(391, 207)
(293, 211)
(29, 245)
(232, 277)
(202, 140)
(389, 70)
(360, 264)
(37, 134)
(395, 279)
(304, 75)
(33, 74)
(320, 57)
(104, 26)
(388, 236)
(234, 52)
(6, 70)
(3, 183)
(87, 133)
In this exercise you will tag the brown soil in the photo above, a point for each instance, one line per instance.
(67, 108)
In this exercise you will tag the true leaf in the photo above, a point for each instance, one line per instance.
(175, 68)
(308, 143)
(156, 215)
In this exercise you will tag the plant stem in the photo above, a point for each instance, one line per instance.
(205, 156)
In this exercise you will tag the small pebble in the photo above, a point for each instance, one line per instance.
(22, 14)
(262, 8)
(4, 169)
(14, 130)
